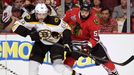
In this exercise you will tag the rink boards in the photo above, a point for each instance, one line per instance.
(15, 50)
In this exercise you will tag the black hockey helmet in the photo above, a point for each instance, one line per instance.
(85, 6)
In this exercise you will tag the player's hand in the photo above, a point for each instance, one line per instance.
(86, 48)
(67, 48)
(34, 35)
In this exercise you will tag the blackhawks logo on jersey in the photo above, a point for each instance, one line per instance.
(96, 22)
(77, 29)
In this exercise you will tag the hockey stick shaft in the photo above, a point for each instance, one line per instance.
(94, 57)
(98, 58)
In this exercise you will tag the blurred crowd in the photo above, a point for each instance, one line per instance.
(113, 14)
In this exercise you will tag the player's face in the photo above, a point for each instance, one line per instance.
(84, 13)
(41, 16)
(105, 14)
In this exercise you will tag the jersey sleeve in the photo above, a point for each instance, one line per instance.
(70, 16)
(52, 20)
(94, 33)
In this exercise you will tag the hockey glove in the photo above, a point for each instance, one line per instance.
(68, 47)
(86, 48)
(67, 40)
(34, 35)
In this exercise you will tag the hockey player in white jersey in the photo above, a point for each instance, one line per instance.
(43, 28)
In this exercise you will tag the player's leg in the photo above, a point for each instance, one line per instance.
(36, 57)
(71, 58)
(100, 51)
(57, 55)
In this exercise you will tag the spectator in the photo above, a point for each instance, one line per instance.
(97, 6)
(120, 14)
(17, 4)
(29, 6)
(52, 11)
(132, 7)
(13, 13)
(132, 16)
(132, 24)
(110, 3)
(38, 1)
(107, 23)
(1, 6)
(16, 15)
(68, 5)
(124, 28)
(121, 10)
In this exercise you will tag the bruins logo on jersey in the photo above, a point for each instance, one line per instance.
(28, 17)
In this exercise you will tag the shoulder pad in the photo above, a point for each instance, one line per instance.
(28, 17)
(53, 20)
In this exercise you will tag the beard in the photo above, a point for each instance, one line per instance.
(82, 17)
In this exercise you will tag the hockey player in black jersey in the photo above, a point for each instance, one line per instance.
(43, 28)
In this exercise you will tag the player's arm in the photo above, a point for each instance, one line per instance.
(23, 27)
(67, 16)
(18, 28)
(94, 30)
(66, 36)
(94, 38)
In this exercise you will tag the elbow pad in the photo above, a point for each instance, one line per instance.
(21, 30)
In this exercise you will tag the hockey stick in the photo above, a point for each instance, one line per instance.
(94, 57)
(4, 67)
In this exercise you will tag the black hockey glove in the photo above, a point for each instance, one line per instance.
(34, 35)
(86, 48)
(67, 40)
(68, 48)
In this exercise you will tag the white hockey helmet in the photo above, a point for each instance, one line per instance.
(41, 8)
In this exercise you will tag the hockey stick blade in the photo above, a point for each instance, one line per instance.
(125, 62)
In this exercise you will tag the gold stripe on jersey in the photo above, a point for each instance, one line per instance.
(15, 27)
(38, 23)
